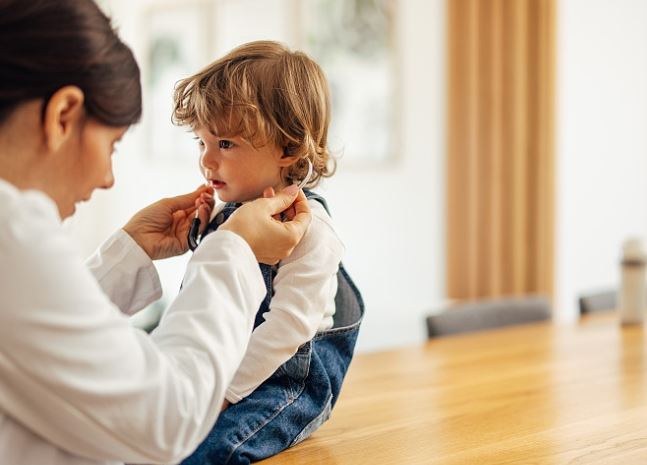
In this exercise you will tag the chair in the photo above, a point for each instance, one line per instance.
(488, 314)
(598, 301)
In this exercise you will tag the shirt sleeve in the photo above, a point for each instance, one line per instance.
(304, 292)
(74, 371)
(125, 273)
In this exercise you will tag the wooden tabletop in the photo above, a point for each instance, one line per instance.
(535, 394)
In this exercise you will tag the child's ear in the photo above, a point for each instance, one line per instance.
(287, 159)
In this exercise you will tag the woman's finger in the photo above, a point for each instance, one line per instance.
(268, 193)
(281, 201)
(187, 201)
(301, 220)
(204, 213)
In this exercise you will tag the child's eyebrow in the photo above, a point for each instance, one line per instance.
(221, 136)
(215, 134)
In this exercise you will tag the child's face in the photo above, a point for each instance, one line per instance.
(237, 171)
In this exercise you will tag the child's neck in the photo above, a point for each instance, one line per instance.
(277, 188)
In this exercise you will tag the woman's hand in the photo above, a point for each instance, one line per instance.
(270, 239)
(161, 229)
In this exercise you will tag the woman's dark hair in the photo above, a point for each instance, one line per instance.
(49, 44)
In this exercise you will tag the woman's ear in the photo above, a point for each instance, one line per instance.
(63, 112)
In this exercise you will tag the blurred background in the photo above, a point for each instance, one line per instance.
(486, 147)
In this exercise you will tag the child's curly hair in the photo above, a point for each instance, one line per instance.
(265, 93)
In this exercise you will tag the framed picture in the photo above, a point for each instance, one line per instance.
(178, 42)
(354, 42)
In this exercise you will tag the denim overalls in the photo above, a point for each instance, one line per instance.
(298, 398)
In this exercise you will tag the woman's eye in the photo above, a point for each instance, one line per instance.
(115, 147)
(225, 144)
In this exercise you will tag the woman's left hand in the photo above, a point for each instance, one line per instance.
(161, 229)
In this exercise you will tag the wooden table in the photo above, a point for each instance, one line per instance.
(535, 394)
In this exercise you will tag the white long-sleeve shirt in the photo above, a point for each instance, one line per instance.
(304, 302)
(80, 385)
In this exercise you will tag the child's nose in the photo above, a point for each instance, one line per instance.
(208, 162)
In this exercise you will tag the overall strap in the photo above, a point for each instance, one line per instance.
(348, 301)
(314, 196)
(220, 217)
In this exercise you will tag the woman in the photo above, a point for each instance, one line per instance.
(78, 385)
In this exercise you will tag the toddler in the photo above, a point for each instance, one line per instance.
(260, 115)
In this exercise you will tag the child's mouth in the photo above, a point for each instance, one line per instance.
(217, 184)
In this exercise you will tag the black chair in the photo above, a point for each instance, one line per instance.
(488, 314)
(598, 301)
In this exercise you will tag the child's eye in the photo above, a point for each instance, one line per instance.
(225, 144)
(200, 142)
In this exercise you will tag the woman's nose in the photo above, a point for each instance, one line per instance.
(108, 180)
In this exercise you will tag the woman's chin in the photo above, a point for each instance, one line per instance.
(69, 209)
(66, 212)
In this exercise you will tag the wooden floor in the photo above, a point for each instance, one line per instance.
(536, 394)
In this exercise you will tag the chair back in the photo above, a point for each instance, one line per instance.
(488, 314)
(598, 301)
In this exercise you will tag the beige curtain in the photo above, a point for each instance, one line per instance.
(500, 147)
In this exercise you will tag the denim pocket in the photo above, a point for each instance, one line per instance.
(315, 423)
(296, 369)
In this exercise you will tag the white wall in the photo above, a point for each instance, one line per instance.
(391, 218)
(601, 142)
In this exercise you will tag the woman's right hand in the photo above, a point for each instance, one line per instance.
(270, 239)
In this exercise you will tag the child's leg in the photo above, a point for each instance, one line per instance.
(230, 439)
(284, 410)
(264, 423)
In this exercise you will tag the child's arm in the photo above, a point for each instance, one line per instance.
(305, 287)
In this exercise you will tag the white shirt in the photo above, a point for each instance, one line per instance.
(80, 385)
(304, 302)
